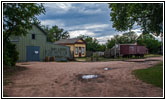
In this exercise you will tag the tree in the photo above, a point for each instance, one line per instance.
(55, 33)
(110, 43)
(125, 38)
(19, 17)
(129, 37)
(17, 20)
(147, 15)
(102, 47)
(150, 42)
(91, 43)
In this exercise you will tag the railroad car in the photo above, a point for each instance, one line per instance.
(128, 50)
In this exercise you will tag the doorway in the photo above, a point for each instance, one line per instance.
(80, 51)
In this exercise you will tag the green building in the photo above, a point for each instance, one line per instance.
(34, 46)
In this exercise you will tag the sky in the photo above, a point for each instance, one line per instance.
(89, 19)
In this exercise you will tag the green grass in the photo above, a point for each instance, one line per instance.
(152, 75)
(152, 55)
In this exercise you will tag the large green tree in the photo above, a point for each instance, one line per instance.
(150, 42)
(19, 17)
(147, 15)
(17, 20)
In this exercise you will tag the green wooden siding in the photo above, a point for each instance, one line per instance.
(46, 48)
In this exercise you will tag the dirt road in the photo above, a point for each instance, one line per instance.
(60, 79)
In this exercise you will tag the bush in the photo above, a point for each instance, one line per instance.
(10, 55)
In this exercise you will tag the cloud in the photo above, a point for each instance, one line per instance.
(91, 8)
(76, 33)
(51, 23)
(138, 31)
(58, 8)
(103, 39)
(88, 27)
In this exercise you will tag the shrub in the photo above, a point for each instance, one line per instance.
(10, 55)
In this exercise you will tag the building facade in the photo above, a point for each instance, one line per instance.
(77, 46)
(34, 46)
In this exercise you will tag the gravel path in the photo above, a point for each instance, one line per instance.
(60, 79)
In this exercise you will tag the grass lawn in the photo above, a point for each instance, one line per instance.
(152, 55)
(152, 75)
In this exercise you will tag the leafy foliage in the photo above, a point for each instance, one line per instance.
(147, 15)
(125, 38)
(10, 55)
(150, 42)
(17, 20)
(110, 43)
(92, 44)
(102, 47)
(55, 33)
(19, 17)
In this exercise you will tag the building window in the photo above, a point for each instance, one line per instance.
(83, 51)
(33, 36)
(76, 51)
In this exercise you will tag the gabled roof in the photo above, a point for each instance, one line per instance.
(41, 29)
(68, 41)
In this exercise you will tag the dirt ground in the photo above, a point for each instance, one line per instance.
(62, 79)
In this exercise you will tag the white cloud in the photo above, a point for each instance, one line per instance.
(103, 39)
(88, 27)
(84, 8)
(138, 31)
(91, 8)
(95, 26)
(89, 11)
(51, 23)
(76, 33)
(58, 7)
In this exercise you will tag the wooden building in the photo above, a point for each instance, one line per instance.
(77, 46)
(34, 46)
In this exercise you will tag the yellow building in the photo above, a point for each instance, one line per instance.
(77, 46)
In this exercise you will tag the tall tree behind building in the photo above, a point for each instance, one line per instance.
(147, 15)
(55, 33)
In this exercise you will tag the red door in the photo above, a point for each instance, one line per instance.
(79, 51)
